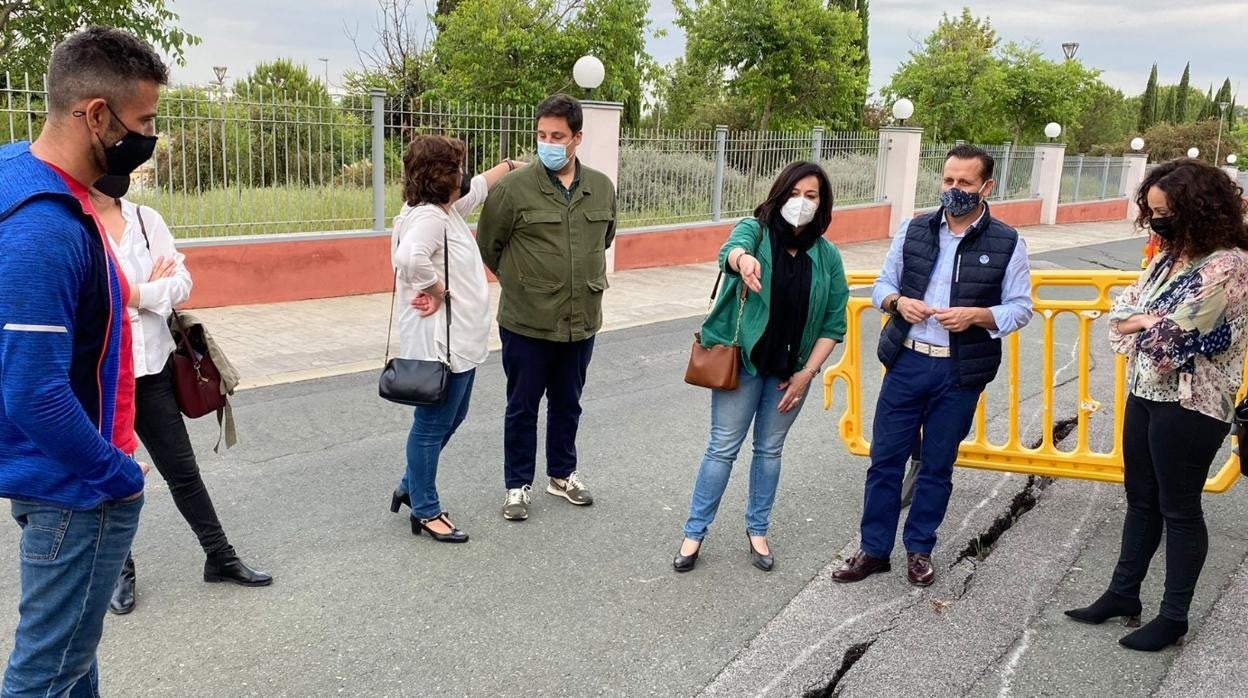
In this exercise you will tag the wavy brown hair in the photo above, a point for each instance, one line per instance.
(432, 166)
(1207, 206)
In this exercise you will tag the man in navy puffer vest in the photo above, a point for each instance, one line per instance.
(74, 493)
(954, 282)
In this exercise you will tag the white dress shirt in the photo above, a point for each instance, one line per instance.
(151, 341)
(417, 256)
(1012, 314)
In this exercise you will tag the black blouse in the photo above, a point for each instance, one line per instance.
(776, 354)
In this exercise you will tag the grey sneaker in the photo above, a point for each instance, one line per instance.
(572, 489)
(516, 508)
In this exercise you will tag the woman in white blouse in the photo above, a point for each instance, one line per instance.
(159, 281)
(430, 234)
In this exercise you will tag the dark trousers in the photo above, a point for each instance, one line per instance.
(1167, 450)
(163, 433)
(537, 367)
(919, 393)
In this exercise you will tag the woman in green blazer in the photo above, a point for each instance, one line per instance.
(792, 319)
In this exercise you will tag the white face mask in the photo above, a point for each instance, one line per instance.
(799, 211)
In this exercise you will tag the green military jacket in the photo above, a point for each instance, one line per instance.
(548, 253)
(829, 295)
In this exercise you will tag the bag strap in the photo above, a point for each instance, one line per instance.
(736, 338)
(446, 285)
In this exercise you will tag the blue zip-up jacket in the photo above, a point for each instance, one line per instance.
(60, 344)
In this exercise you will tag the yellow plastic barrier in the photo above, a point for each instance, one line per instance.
(1081, 461)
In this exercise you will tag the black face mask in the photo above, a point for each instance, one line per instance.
(465, 184)
(1164, 227)
(121, 158)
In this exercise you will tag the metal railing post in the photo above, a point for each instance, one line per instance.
(379, 160)
(816, 144)
(1004, 188)
(717, 189)
(1078, 177)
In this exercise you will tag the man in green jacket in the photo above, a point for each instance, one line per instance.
(544, 232)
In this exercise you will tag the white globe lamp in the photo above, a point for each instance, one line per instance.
(1053, 130)
(1137, 144)
(903, 109)
(588, 72)
(1193, 152)
(1232, 159)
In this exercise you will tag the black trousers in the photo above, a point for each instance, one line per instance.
(159, 426)
(1167, 450)
(537, 367)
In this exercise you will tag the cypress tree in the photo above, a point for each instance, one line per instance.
(1180, 104)
(1148, 104)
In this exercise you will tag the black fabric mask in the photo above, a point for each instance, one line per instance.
(1164, 227)
(465, 184)
(121, 158)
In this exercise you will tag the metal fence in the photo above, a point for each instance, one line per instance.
(932, 158)
(1091, 178)
(1012, 171)
(682, 176)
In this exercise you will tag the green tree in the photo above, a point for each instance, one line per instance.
(796, 63)
(1106, 120)
(1039, 90)
(519, 52)
(1167, 141)
(1185, 87)
(955, 81)
(1148, 105)
(863, 8)
(1206, 107)
(30, 28)
(282, 79)
(1171, 109)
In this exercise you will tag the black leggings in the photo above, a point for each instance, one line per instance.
(163, 433)
(1167, 450)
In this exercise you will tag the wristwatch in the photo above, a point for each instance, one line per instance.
(892, 305)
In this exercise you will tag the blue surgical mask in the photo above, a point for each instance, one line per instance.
(552, 155)
(958, 203)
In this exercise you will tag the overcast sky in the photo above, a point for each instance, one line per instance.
(1121, 37)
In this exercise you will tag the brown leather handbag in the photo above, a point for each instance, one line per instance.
(717, 366)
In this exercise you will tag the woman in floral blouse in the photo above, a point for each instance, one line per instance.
(1183, 326)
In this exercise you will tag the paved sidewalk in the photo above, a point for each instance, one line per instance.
(304, 340)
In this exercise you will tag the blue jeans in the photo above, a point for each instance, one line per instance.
(432, 428)
(70, 561)
(756, 400)
(919, 393)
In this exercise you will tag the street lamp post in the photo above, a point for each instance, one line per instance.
(1217, 149)
(326, 62)
(1070, 48)
(219, 71)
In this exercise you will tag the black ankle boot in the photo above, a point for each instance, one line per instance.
(1156, 635)
(226, 567)
(123, 592)
(1110, 605)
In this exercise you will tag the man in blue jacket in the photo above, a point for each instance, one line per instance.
(74, 494)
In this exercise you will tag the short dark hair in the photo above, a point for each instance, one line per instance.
(101, 62)
(565, 106)
(782, 191)
(974, 152)
(1207, 206)
(431, 169)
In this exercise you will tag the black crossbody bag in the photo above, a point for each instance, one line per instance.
(418, 382)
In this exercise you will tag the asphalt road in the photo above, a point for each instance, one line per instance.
(583, 601)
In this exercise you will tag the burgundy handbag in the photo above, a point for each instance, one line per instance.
(196, 380)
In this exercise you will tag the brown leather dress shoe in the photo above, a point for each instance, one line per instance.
(859, 566)
(919, 569)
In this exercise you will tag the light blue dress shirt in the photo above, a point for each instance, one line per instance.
(1011, 315)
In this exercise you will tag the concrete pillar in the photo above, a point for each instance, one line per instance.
(600, 147)
(1046, 179)
(898, 178)
(1136, 168)
(1231, 171)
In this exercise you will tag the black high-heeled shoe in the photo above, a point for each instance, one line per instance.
(398, 498)
(1156, 635)
(759, 560)
(684, 563)
(1110, 605)
(455, 536)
